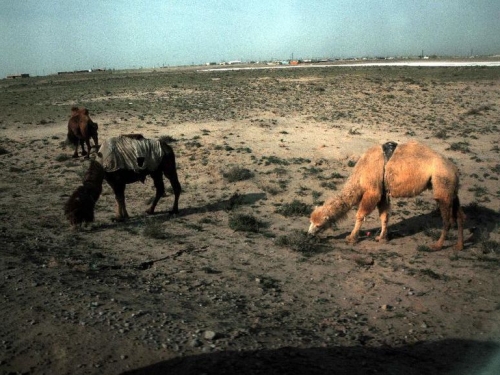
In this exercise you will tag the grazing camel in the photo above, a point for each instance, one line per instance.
(124, 160)
(80, 129)
(80, 206)
(399, 171)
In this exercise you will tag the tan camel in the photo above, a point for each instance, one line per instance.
(378, 175)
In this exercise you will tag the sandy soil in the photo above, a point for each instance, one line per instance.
(202, 292)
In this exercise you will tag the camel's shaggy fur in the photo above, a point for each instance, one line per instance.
(80, 129)
(410, 170)
(80, 206)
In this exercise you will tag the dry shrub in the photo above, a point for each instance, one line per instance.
(295, 208)
(299, 241)
(237, 174)
(245, 223)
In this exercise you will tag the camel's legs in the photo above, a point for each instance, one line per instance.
(87, 141)
(384, 207)
(171, 173)
(75, 154)
(446, 214)
(82, 142)
(366, 206)
(160, 190)
(121, 210)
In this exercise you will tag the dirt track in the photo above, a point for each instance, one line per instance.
(198, 292)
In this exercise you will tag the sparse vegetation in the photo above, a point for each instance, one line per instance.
(63, 157)
(441, 134)
(154, 229)
(230, 276)
(478, 110)
(433, 275)
(479, 191)
(237, 173)
(299, 241)
(295, 208)
(460, 146)
(245, 223)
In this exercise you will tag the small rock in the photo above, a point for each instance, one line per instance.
(210, 335)
(195, 343)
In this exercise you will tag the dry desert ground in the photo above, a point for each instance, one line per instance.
(232, 284)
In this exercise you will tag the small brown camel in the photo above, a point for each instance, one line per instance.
(81, 129)
(399, 171)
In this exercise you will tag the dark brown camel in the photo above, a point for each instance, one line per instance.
(153, 158)
(81, 129)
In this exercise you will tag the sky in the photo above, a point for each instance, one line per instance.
(44, 37)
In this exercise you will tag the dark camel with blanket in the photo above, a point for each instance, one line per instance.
(124, 160)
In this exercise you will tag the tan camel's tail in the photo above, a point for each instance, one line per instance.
(80, 206)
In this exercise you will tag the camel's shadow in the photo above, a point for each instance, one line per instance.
(222, 205)
(225, 205)
(480, 222)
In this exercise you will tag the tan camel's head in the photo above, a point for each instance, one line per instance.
(319, 221)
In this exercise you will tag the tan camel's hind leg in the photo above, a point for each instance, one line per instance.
(366, 207)
(446, 214)
(384, 207)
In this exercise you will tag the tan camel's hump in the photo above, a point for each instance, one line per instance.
(415, 167)
(368, 172)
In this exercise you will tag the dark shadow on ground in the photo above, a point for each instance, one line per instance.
(225, 205)
(450, 357)
(479, 223)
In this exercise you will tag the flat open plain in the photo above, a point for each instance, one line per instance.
(232, 284)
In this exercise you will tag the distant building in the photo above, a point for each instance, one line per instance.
(15, 76)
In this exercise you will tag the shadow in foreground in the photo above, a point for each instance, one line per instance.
(453, 357)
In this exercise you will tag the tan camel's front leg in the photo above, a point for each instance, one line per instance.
(353, 237)
(366, 206)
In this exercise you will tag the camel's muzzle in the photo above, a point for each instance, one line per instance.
(313, 230)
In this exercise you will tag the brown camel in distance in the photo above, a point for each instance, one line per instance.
(411, 169)
(81, 129)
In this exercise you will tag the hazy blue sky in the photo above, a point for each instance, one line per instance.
(46, 36)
